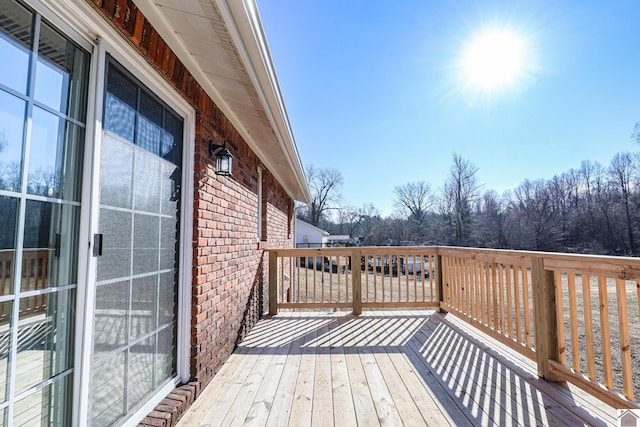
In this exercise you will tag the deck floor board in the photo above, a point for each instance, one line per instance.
(387, 368)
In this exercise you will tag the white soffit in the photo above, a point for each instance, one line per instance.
(222, 44)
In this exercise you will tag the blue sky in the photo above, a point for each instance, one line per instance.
(375, 89)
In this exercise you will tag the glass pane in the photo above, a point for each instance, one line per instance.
(168, 244)
(15, 45)
(147, 182)
(45, 337)
(150, 108)
(107, 397)
(146, 243)
(167, 308)
(8, 213)
(50, 245)
(171, 183)
(12, 119)
(116, 169)
(116, 228)
(48, 406)
(141, 370)
(61, 74)
(55, 163)
(148, 135)
(172, 139)
(166, 356)
(110, 325)
(120, 105)
(5, 347)
(143, 306)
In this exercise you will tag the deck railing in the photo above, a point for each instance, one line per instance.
(577, 316)
(35, 263)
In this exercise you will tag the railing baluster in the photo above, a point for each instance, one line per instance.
(273, 283)
(625, 340)
(487, 288)
(573, 318)
(508, 282)
(604, 331)
(638, 296)
(588, 325)
(528, 299)
(516, 301)
(562, 344)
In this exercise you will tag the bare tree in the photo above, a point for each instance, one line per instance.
(621, 173)
(350, 219)
(530, 217)
(415, 199)
(635, 133)
(325, 185)
(461, 189)
(490, 221)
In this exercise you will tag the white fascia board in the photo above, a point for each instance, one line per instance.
(244, 25)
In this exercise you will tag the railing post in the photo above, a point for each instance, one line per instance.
(439, 287)
(273, 283)
(546, 323)
(356, 281)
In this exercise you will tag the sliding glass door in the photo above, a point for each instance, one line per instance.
(134, 351)
(43, 97)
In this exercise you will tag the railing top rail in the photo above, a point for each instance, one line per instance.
(627, 263)
(443, 250)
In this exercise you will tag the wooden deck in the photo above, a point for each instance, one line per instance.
(393, 368)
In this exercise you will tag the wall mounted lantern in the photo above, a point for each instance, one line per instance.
(223, 158)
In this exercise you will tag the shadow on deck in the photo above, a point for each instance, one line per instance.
(413, 367)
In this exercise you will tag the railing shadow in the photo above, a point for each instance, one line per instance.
(473, 383)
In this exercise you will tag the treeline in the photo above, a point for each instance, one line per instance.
(593, 209)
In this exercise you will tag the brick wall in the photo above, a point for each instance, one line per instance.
(229, 269)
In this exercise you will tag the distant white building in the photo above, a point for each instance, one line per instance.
(310, 236)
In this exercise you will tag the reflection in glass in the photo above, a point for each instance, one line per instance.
(149, 127)
(46, 407)
(110, 324)
(167, 309)
(12, 118)
(171, 186)
(55, 163)
(15, 45)
(166, 356)
(143, 305)
(147, 182)
(45, 338)
(116, 245)
(5, 340)
(120, 108)
(168, 248)
(141, 370)
(8, 213)
(146, 242)
(172, 139)
(116, 168)
(107, 396)
(61, 74)
(50, 245)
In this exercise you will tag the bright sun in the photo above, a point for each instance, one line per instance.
(494, 60)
